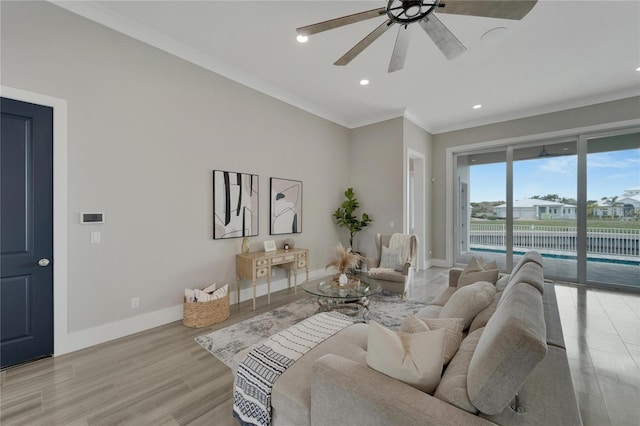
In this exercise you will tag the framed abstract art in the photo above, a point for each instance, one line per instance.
(235, 204)
(286, 206)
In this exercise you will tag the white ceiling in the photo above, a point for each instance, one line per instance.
(563, 54)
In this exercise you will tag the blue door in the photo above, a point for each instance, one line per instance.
(26, 232)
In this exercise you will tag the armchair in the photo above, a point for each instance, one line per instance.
(398, 279)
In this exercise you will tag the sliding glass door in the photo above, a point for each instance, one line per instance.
(575, 200)
(545, 205)
(613, 209)
(482, 179)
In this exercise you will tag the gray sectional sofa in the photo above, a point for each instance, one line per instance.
(511, 369)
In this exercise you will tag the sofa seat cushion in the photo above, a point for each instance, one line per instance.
(468, 301)
(511, 346)
(552, 316)
(453, 385)
(291, 394)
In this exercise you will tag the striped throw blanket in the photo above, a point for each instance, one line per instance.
(258, 372)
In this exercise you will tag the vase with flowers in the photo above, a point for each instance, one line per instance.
(344, 260)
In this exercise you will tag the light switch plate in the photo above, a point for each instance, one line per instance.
(95, 237)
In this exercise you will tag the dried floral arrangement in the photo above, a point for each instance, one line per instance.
(344, 259)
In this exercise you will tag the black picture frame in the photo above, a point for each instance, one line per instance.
(285, 214)
(235, 204)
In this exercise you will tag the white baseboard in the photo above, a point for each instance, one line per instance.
(440, 263)
(103, 333)
(82, 339)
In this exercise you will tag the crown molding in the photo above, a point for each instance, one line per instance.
(94, 12)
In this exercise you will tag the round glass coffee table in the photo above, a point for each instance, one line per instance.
(351, 299)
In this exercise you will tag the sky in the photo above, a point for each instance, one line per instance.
(608, 175)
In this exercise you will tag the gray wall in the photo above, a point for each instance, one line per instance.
(146, 130)
(376, 175)
(609, 112)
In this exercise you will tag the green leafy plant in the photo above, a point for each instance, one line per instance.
(346, 218)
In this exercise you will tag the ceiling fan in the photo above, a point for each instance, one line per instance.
(405, 12)
(544, 153)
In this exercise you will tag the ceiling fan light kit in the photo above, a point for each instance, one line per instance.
(406, 12)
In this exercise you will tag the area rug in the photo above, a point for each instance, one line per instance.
(385, 308)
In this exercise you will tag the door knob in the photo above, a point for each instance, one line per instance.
(43, 262)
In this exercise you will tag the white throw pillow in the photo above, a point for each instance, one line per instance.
(468, 301)
(390, 258)
(210, 289)
(201, 296)
(453, 327)
(220, 293)
(189, 295)
(412, 358)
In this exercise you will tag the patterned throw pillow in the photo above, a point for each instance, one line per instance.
(390, 258)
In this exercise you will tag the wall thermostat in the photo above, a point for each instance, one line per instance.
(88, 218)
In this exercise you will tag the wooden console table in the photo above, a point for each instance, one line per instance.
(252, 266)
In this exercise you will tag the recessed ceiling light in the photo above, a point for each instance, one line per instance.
(478, 106)
(638, 69)
(364, 82)
(302, 38)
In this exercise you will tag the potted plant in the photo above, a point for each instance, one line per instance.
(345, 217)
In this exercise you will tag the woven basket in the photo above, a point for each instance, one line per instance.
(204, 314)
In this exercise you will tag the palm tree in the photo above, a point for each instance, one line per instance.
(611, 202)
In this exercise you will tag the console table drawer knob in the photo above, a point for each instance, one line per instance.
(262, 262)
(301, 263)
(262, 272)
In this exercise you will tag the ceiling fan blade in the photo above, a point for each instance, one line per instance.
(339, 22)
(364, 43)
(400, 49)
(448, 44)
(504, 9)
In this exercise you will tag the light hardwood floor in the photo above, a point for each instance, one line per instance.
(162, 377)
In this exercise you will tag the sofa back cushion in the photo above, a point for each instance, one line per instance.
(512, 344)
(530, 256)
(453, 385)
(528, 274)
